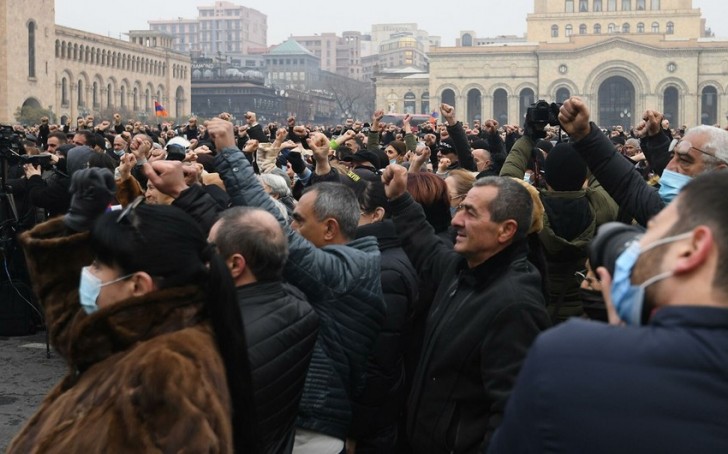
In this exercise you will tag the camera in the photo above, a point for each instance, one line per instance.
(540, 115)
(11, 143)
(610, 241)
(43, 160)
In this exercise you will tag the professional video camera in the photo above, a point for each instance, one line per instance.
(610, 241)
(540, 115)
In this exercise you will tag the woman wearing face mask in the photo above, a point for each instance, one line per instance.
(152, 334)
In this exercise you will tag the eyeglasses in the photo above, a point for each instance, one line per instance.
(582, 276)
(682, 147)
(455, 197)
(128, 211)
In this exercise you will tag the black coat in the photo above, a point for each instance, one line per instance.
(480, 326)
(589, 387)
(378, 407)
(280, 330)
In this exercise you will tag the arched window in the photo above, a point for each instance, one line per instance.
(562, 94)
(95, 95)
(582, 29)
(425, 103)
(122, 102)
(670, 28)
(569, 6)
(611, 28)
(410, 101)
(64, 91)
(597, 5)
(625, 27)
(474, 105)
(709, 106)
(500, 106)
(597, 29)
(568, 30)
(109, 96)
(626, 5)
(671, 105)
(526, 98)
(467, 40)
(554, 31)
(80, 93)
(147, 104)
(448, 97)
(31, 49)
(640, 27)
(655, 27)
(655, 5)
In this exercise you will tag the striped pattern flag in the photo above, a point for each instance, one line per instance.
(159, 110)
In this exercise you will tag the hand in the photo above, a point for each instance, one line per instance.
(300, 131)
(443, 165)
(291, 121)
(491, 126)
(92, 190)
(126, 163)
(641, 129)
(281, 134)
(221, 132)
(225, 116)
(574, 118)
(191, 172)
(319, 145)
(30, 170)
(251, 146)
(653, 120)
(448, 114)
(289, 144)
(377, 116)
(167, 176)
(606, 280)
(395, 181)
(350, 134)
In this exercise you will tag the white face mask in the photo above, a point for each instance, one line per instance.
(90, 287)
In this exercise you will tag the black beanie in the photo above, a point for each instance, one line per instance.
(564, 169)
(545, 145)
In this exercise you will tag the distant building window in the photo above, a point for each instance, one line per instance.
(655, 27)
(611, 5)
(568, 30)
(640, 27)
(597, 29)
(611, 28)
(625, 28)
(641, 5)
(569, 6)
(554, 31)
(31, 49)
(655, 5)
(670, 29)
(597, 5)
(582, 29)
(626, 5)
(583, 6)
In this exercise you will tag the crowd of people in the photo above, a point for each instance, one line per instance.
(379, 288)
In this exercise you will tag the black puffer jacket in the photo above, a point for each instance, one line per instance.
(342, 283)
(378, 407)
(280, 330)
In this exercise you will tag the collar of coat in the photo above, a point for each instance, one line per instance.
(485, 273)
(116, 328)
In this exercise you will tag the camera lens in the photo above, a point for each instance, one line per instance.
(610, 241)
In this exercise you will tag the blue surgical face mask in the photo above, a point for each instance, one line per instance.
(119, 152)
(393, 161)
(671, 183)
(90, 287)
(628, 298)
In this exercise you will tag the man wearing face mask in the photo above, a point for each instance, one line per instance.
(702, 149)
(662, 386)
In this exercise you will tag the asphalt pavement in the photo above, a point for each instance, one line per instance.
(26, 376)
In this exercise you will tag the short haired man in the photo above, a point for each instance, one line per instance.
(280, 326)
(338, 273)
(55, 140)
(588, 387)
(702, 149)
(83, 137)
(488, 308)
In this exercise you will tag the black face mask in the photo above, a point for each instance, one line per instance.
(593, 304)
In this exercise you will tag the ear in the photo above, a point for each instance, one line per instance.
(507, 230)
(236, 264)
(378, 214)
(142, 283)
(695, 253)
(331, 227)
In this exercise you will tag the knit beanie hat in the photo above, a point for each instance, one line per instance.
(564, 169)
(78, 158)
(399, 146)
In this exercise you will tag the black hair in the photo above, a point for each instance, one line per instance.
(372, 195)
(166, 243)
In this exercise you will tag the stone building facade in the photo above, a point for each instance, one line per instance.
(621, 56)
(71, 72)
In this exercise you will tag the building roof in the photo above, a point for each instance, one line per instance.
(290, 47)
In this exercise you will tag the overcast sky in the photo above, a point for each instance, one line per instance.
(297, 17)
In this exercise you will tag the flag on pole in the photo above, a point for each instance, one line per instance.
(159, 110)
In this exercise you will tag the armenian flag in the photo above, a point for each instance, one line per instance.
(159, 110)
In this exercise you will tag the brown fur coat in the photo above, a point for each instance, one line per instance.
(144, 374)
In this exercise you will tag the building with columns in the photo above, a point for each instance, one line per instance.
(71, 72)
(621, 56)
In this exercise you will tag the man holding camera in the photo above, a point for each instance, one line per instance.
(588, 387)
